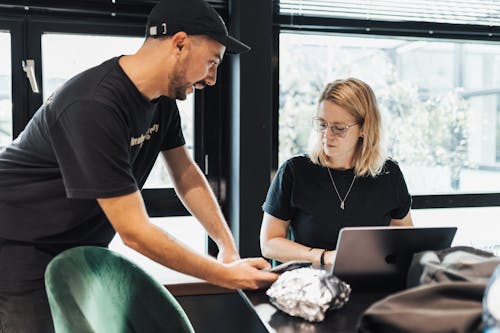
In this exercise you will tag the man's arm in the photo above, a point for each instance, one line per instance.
(197, 196)
(128, 216)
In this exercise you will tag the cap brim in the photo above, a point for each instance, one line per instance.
(232, 45)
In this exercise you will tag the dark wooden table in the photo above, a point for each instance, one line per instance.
(341, 320)
(214, 309)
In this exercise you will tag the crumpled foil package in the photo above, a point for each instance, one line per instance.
(308, 293)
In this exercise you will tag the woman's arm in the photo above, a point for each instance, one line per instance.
(275, 245)
(404, 222)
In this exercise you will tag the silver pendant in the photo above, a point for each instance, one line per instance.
(342, 205)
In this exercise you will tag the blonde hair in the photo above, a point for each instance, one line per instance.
(358, 99)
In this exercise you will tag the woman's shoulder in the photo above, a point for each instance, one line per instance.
(391, 163)
(391, 166)
(299, 164)
(301, 160)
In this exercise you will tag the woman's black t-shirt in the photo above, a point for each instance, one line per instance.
(302, 193)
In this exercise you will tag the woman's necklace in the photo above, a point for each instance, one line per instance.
(342, 201)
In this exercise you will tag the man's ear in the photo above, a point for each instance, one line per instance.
(179, 40)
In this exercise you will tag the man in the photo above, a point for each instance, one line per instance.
(73, 177)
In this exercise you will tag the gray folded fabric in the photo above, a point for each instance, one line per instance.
(448, 307)
(491, 304)
(459, 263)
(445, 295)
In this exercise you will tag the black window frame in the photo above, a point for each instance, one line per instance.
(14, 25)
(438, 31)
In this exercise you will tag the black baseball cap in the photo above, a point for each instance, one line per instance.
(194, 17)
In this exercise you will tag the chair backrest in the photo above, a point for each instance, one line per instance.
(93, 289)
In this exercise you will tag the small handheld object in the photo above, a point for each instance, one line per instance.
(288, 266)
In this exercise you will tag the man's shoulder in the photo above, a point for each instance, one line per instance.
(94, 74)
(83, 85)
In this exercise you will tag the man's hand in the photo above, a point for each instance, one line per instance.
(247, 274)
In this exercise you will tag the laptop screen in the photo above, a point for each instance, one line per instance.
(379, 257)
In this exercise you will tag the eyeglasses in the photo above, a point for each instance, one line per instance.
(338, 129)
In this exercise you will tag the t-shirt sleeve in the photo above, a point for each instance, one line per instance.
(279, 197)
(92, 147)
(403, 197)
(174, 137)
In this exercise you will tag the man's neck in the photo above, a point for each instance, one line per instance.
(143, 73)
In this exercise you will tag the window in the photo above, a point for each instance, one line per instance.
(465, 12)
(186, 229)
(5, 90)
(476, 226)
(434, 67)
(64, 39)
(159, 177)
(65, 55)
(441, 116)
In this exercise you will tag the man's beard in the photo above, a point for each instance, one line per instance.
(180, 93)
(178, 86)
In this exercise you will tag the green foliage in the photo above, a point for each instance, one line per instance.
(421, 129)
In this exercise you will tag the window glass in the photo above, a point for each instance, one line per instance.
(5, 90)
(65, 55)
(440, 103)
(184, 228)
(159, 177)
(477, 227)
(481, 12)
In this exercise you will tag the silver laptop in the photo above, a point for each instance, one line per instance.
(379, 257)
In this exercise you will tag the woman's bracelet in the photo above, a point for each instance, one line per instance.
(322, 258)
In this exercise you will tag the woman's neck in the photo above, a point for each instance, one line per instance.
(340, 164)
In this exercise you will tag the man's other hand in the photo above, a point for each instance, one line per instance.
(227, 256)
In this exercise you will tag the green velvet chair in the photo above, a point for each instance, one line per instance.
(93, 289)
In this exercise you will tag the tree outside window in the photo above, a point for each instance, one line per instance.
(435, 109)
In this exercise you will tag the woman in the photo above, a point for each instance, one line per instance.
(345, 181)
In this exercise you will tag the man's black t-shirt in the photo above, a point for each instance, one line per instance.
(303, 194)
(96, 137)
